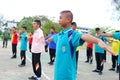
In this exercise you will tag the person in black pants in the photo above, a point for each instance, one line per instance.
(37, 48)
(52, 46)
(23, 47)
(99, 53)
(89, 53)
(14, 42)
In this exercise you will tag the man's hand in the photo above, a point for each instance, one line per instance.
(49, 40)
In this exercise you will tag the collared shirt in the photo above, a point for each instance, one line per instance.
(98, 49)
(15, 37)
(115, 45)
(117, 36)
(52, 45)
(65, 62)
(24, 40)
(38, 41)
(90, 45)
(79, 46)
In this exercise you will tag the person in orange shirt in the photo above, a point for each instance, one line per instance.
(14, 42)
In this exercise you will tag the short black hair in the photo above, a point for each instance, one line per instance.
(24, 27)
(117, 31)
(97, 29)
(14, 27)
(104, 32)
(74, 23)
(38, 22)
(52, 28)
(69, 13)
(31, 32)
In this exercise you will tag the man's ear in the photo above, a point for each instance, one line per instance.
(68, 20)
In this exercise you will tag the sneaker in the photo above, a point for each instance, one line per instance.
(13, 57)
(112, 69)
(86, 61)
(32, 78)
(21, 65)
(96, 70)
(37, 78)
(50, 63)
(91, 61)
(100, 73)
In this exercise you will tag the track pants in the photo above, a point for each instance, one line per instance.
(23, 57)
(99, 61)
(36, 63)
(14, 49)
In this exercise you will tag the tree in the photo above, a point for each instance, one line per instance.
(46, 24)
(1, 20)
(116, 4)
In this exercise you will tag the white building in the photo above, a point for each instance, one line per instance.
(84, 29)
(11, 24)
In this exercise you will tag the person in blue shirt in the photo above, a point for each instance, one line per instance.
(23, 47)
(46, 43)
(99, 53)
(115, 35)
(67, 41)
(52, 46)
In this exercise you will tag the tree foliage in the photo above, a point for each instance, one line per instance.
(116, 10)
(46, 24)
(116, 3)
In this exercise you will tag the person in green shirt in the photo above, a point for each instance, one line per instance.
(6, 36)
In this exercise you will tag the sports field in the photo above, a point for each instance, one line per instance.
(9, 69)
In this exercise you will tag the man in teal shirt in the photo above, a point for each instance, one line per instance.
(66, 43)
(99, 53)
(23, 47)
(115, 35)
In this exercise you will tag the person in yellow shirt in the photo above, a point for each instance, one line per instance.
(74, 27)
(115, 48)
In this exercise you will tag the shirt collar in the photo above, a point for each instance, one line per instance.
(37, 30)
(66, 30)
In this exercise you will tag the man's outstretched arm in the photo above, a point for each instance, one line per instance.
(91, 39)
(106, 34)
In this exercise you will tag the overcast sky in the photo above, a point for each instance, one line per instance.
(87, 13)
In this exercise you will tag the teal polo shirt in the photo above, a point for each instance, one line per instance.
(65, 62)
(23, 46)
(117, 36)
(98, 49)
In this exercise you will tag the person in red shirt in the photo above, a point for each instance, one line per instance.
(89, 53)
(14, 42)
(30, 40)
